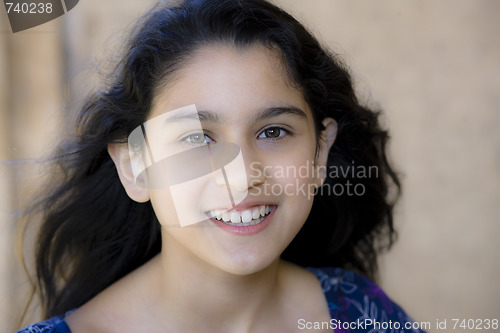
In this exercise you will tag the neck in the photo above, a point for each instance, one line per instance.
(189, 286)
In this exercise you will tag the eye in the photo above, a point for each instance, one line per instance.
(273, 133)
(198, 138)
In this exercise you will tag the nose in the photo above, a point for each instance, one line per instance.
(243, 172)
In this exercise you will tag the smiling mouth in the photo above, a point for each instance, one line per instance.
(246, 217)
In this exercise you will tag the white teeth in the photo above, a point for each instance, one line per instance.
(235, 217)
(252, 216)
(246, 216)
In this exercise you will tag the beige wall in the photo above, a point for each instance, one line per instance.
(432, 66)
(31, 105)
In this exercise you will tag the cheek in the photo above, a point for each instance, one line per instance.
(293, 170)
(180, 204)
(164, 208)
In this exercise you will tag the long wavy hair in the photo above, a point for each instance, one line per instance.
(92, 233)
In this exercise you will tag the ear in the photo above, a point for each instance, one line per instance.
(121, 157)
(327, 138)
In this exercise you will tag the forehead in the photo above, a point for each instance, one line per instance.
(226, 78)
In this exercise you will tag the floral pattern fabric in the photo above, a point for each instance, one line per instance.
(52, 325)
(359, 305)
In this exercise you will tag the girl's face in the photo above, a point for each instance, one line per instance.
(244, 97)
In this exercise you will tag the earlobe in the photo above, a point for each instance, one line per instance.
(327, 138)
(120, 155)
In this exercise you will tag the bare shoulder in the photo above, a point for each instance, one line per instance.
(114, 309)
(305, 297)
(304, 283)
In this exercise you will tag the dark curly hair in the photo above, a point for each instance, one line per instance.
(93, 234)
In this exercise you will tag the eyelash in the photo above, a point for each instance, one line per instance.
(283, 134)
(185, 139)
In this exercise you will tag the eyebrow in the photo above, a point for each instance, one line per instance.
(200, 115)
(214, 117)
(280, 110)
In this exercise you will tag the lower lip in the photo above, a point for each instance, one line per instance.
(246, 229)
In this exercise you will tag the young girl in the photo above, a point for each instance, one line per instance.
(227, 180)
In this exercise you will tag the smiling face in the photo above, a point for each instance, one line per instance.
(243, 98)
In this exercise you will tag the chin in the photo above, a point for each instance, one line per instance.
(248, 264)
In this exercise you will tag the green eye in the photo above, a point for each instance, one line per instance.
(197, 139)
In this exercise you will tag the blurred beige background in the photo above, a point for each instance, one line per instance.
(433, 66)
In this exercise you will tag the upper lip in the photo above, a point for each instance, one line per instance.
(243, 206)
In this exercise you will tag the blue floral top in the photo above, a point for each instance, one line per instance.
(356, 305)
